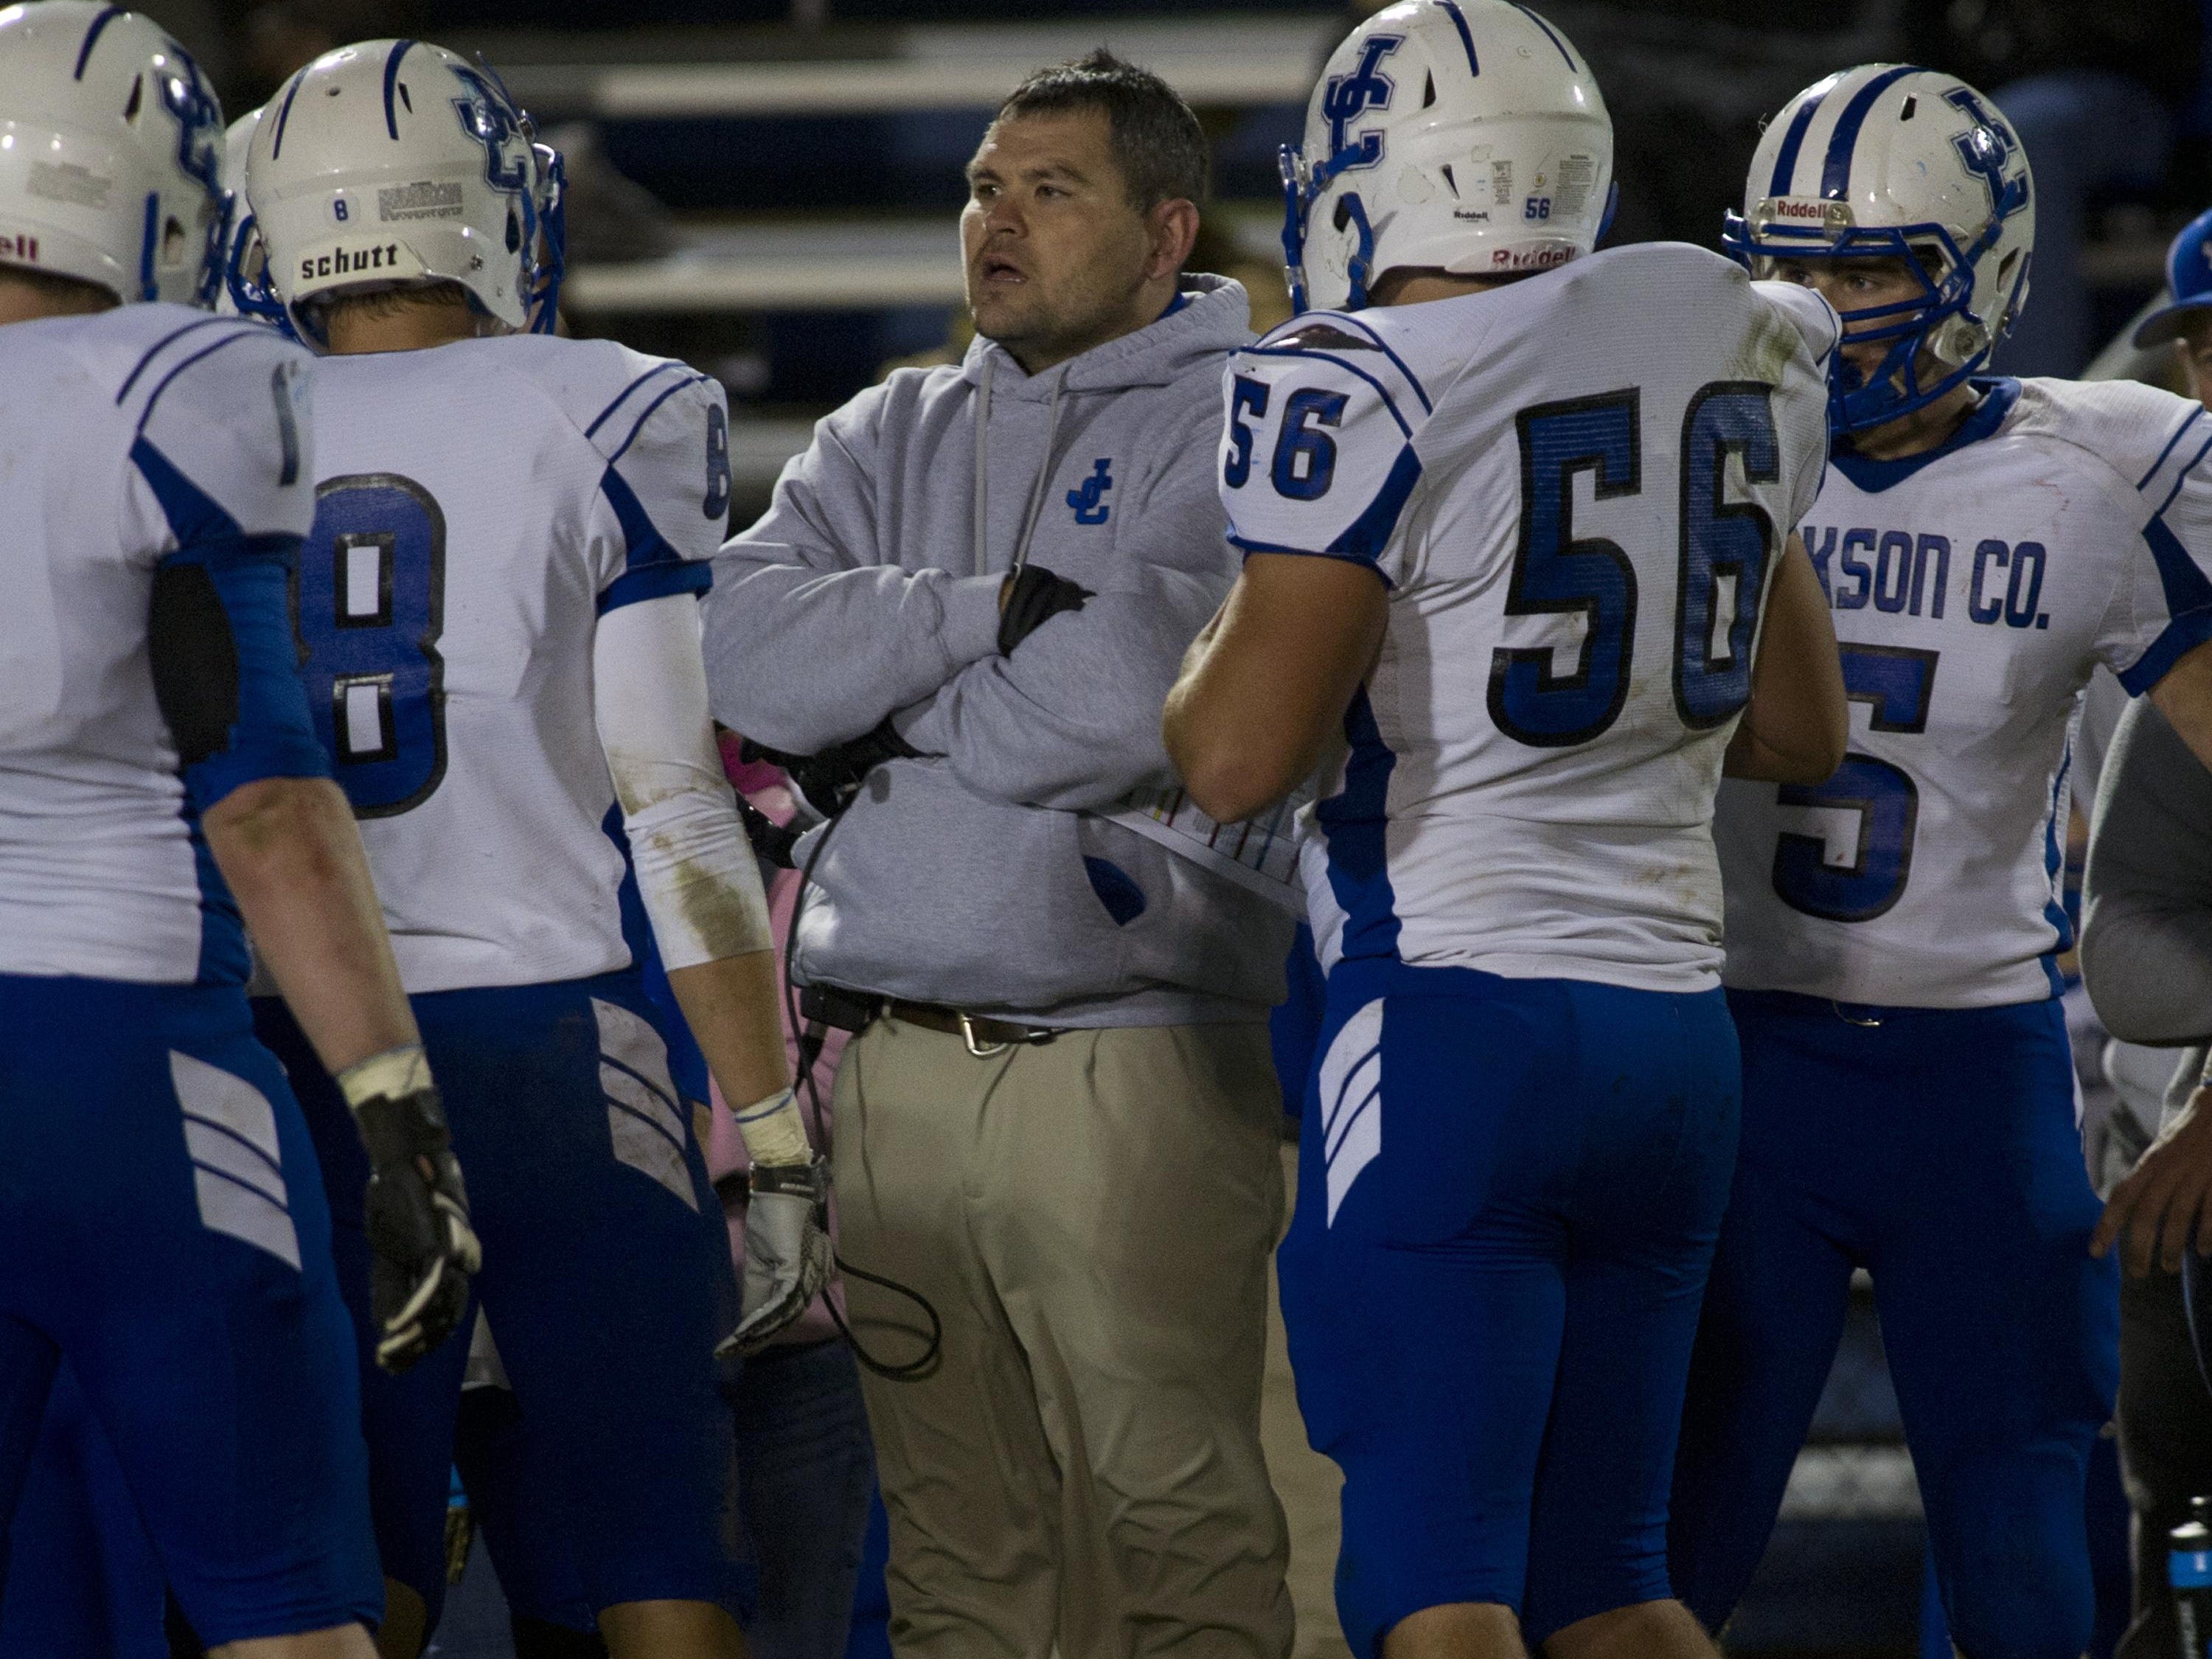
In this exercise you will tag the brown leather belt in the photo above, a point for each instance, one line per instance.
(983, 1037)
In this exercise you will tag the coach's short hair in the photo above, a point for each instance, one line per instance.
(1156, 140)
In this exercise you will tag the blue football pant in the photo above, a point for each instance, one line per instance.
(162, 1225)
(606, 1282)
(83, 1581)
(1937, 1149)
(1491, 1331)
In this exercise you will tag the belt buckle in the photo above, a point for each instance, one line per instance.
(980, 1050)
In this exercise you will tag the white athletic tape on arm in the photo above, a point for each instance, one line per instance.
(774, 1130)
(394, 1073)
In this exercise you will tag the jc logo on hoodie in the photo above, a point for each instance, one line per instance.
(1090, 501)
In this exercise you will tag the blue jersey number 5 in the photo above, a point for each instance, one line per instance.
(370, 607)
(1897, 685)
(1557, 572)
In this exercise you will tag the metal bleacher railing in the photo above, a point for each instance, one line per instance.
(1215, 61)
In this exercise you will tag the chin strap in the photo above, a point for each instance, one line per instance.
(1303, 186)
(253, 296)
(553, 238)
(1290, 163)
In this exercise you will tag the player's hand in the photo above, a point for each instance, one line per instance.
(1028, 601)
(422, 1248)
(2166, 1199)
(788, 1257)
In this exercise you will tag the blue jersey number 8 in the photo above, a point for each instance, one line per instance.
(1897, 685)
(370, 606)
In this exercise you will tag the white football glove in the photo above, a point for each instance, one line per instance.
(789, 1256)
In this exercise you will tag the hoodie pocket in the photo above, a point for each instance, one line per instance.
(1116, 889)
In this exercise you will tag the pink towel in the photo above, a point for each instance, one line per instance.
(764, 786)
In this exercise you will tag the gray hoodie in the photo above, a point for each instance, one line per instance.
(983, 875)
(2147, 895)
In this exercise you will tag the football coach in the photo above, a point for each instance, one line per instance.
(1059, 1122)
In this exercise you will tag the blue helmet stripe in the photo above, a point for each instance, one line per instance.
(1785, 163)
(1466, 40)
(148, 289)
(107, 15)
(284, 114)
(390, 81)
(1836, 177)
(1550, 33)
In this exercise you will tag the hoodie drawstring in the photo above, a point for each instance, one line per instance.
(982, 469)
(1036, 508)
(1044, 477)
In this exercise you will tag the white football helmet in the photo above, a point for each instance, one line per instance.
(1465, 136)
(244, 248)
(1890, 161)
(394, 163)
(111, 151)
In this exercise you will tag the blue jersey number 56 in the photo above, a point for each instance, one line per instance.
(371, 605)
(1723, 551)
(1897, 685)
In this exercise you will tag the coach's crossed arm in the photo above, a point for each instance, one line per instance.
(813, 632)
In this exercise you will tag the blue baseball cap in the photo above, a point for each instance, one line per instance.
(2188, 278)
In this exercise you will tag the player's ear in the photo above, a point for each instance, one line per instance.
(1174, 228)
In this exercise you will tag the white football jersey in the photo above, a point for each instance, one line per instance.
(1974, 589)
(1576, 488)
(123, 436)
(480, 506)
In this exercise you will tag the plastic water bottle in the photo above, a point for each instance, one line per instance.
(2189, 1570)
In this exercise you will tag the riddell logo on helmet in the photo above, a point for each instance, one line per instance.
(384, 256)
(1541, 259)
(23, 249)
(1798, 207)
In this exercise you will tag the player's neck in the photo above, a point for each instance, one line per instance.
(402, 328)
(28, 298)
(1413, 287)
(1922, 430)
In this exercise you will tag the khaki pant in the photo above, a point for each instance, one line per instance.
(1092, 1217)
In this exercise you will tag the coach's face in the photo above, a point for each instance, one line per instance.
(1058, 259)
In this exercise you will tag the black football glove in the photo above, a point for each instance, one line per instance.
(770, 840)
(1035, 598)
(421, 1246)
(828, 780)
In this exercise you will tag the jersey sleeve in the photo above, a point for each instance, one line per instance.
(1318, 448)
(665, 443)
(1801, 405)
(222, 429)
(2160, 445)
(223, 490)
